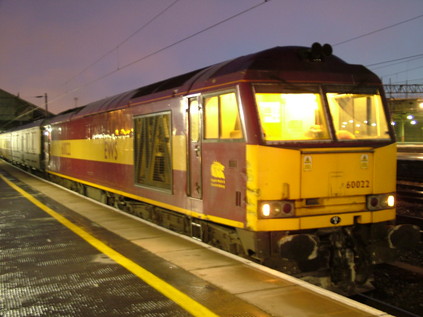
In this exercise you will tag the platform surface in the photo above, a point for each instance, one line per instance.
(104, 263)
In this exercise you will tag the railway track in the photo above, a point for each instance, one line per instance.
(410, 219)
(410, 191)
(408, 267)
(410, 173)
(400, 283)
(398, 290)
(384, 306)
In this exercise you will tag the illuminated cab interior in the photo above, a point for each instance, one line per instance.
(301, 115)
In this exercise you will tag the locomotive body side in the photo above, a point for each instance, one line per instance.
(108, 152)
(89, 149)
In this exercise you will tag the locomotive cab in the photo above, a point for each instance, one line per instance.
(304, 171)
(321, 180)
(333, 138)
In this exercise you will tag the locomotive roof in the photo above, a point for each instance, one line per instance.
(290, 63)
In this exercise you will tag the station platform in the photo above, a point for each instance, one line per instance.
(65, 255)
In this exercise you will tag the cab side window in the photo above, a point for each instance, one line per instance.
(221, 117)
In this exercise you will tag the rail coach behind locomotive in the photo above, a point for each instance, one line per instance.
(285, 156)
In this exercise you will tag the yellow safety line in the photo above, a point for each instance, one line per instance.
(186, 302)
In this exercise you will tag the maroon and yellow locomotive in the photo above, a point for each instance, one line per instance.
(286, 156)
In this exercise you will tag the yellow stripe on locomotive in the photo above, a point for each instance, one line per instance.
(118, 150)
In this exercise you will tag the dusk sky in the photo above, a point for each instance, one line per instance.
(91, 49)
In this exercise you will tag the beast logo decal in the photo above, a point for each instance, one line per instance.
(217, 171)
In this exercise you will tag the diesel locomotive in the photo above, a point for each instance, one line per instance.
(285, 156)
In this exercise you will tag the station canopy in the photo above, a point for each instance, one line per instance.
(15, 111)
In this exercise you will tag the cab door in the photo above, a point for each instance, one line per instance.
(195, 184)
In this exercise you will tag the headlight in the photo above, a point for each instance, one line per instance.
(378, 202)
(276, 209)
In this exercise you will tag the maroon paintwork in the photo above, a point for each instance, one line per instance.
(277, 65)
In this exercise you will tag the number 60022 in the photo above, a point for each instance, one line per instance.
(358, 184)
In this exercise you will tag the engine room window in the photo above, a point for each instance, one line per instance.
(358, 116)
(221, 117)
(152, 150)
(291, 116)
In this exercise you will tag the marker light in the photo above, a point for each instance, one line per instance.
(391, 201)
(374, 202)
(276, 209)
(379, 202)
(287, 208)
(265, 210)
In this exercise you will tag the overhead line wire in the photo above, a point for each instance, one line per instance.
(382, 29)
(403, 71)
(195, 34)
(164, 48)
(396, 60)
(378, 30)
(124, 41)
(393, 63)
(108, 52)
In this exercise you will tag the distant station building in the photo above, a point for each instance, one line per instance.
(407, 119)
(15, 111)
(406, 107)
